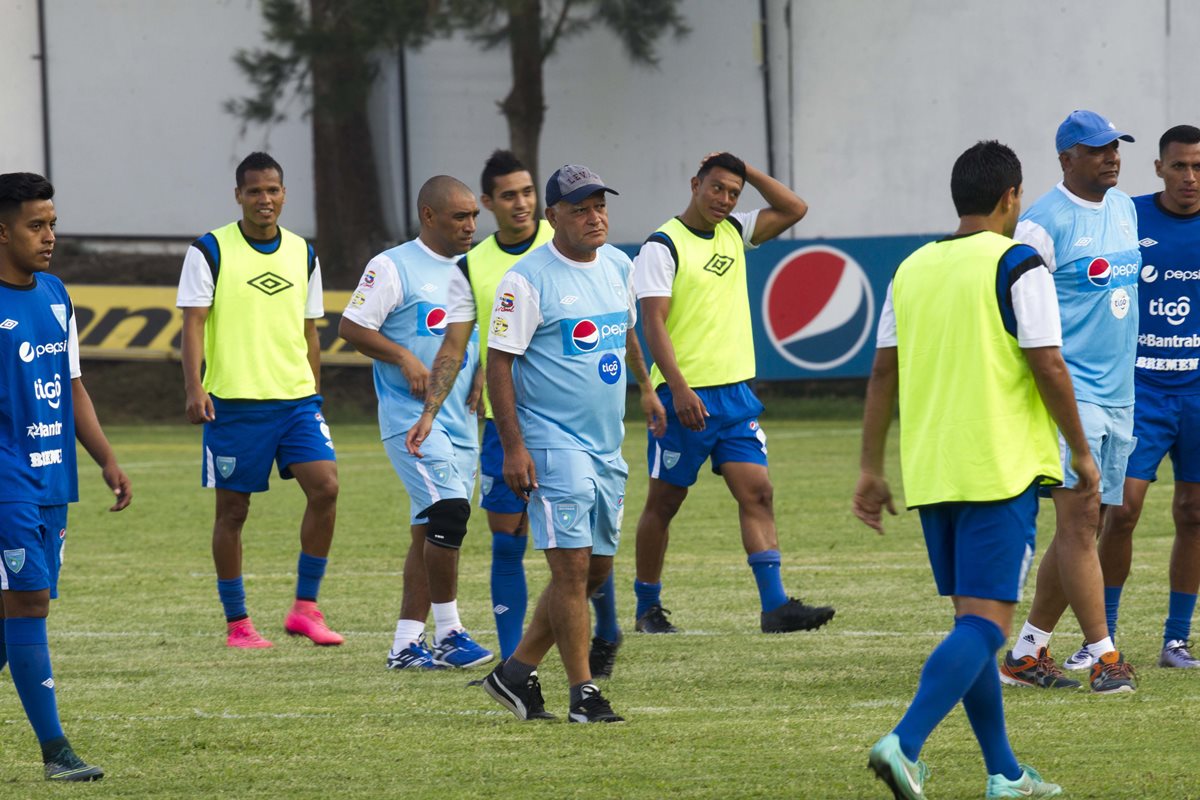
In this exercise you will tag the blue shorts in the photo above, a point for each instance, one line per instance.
(32, 539)
(982, 549)
(731, 434)
(247, 435)
(446, 472)
(1109, 433)
(494, 494)
(579, 502)
(1162, 424)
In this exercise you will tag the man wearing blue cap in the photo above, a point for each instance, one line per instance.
(1086, 231)
(557, 348)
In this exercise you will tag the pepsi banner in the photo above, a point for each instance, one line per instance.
(815, 303)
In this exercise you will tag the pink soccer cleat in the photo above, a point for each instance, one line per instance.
(305, 619)
(242, 634)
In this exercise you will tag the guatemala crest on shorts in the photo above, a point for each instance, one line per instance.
(226, 465)
(566, 513)
(14, 559)
(485, 485)
(670, 458)
(440, 470)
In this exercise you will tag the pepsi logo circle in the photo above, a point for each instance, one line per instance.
(1099, 272)
(1149, 273)
(609, 368)
(818, 307)
(585, 335)
(435, 321)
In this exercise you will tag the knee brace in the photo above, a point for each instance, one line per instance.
(447, 526)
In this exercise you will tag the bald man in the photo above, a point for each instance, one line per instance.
(397, 317)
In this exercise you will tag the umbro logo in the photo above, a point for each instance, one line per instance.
(1084, 242)
(719, 264)
(48, 683)
(429, 287)
(270, 283)
(568, 300)
(499, 608)
(1147, 242)
(8, 325)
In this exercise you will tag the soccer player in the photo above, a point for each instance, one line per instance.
(1166, 414)
(1085, 230)
(397, 317)
(251, 294)
(969, 342)
(40, 419)
(559, 333)
(691, 282)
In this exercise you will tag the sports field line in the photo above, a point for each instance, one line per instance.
(383, 633)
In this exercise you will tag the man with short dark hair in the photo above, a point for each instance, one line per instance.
(1166, 378)
(251, 295)
(40, 420)
(969, 342)
(397, 317)
(691, 283)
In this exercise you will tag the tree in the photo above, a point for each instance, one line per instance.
(322, 51)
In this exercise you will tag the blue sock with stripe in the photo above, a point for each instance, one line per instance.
(1112, 606)
(648, 595)
(767, 574)
(985, 711)
(604, 602)
(233, 598)
(950, 671)
(309, 572)
(1180, 608)
(510, 594)
(29, 662)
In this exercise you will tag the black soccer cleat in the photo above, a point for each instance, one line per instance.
(66, 766)
(525, 702)
(593, 707)
(602, 657)
(655, 621)
(794, 615)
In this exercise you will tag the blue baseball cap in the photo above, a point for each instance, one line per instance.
(1087, 127)
(574, 182)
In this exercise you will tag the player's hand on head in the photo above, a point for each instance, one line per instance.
(519, 473)
(118, 481)
(417, 434)
(871, 496)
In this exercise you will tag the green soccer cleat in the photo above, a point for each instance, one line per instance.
(1030, 784)
(905, 778)
(66, 766)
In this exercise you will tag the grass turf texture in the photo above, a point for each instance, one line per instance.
(148, 690)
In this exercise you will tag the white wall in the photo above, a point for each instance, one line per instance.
(21, 147)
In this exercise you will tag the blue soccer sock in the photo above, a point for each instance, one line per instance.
(1180, 608)
(951, 669)
(767, 574)
(604, 601)
(1112, 606)
(309, 572)
(510, 595)
(29, 661)
(985, 710)
(648, 595)
(233, 598)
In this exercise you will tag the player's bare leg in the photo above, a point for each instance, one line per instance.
(663, 501)
(1185, 553)
(319, 481)
(1070, 570)
(414, 603)
(231, 512)
(751, 486)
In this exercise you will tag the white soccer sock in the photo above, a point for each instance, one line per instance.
(445, 620)
(408, 631)
(1030, 641)
(1101, 647)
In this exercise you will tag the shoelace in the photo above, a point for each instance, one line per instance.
(1121, 669)
(1048, 665)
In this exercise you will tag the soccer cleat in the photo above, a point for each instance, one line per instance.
(905, 778)
(525, 702)
(1111, 674)
(1177, 655)
(1039, 671)
(415, 656)
(602, 657)
(593, 707)
(794, 615)
(243, 634)
(66, 766)
(655, 621)
(1030, 784)
(458, 649)
(305, 619)
(1081, 659)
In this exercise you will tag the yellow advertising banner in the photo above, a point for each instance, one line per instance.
(136, 323)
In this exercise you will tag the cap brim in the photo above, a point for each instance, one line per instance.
(1104, 137)
(584, 192)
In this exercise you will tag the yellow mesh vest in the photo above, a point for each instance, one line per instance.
(486, 263)
(709, 321)
(972, 424)
(254, 345)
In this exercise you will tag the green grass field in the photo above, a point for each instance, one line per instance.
(148, 690)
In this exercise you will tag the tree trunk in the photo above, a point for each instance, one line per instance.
(350, 227)
(525, 106)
